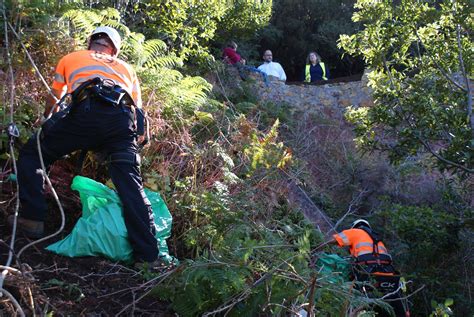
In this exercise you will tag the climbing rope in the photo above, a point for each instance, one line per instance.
(13, 133)
(38, 142)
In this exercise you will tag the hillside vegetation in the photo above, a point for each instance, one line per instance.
(223, 159)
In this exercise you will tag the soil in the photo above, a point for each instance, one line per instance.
(89, 286)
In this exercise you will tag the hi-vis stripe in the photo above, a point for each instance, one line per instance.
(59, 78)
(344, 238)
(104, 69)
(382, 249)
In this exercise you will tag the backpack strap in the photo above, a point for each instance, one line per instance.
(375, 239)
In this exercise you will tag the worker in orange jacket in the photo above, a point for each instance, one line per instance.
(372, 258)
(102, 117)
(366, 247)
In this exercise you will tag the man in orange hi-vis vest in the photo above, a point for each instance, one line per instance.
(372, 258)
(102, 116)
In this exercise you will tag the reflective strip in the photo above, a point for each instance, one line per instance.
(344, 238)
(363, 252)
(136, 87)
(307, 75)
(84, 79)
(104, 69)
(59, 78)
(382, 250)
(364, 244)
(323, 67)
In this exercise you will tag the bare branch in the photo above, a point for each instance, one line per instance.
(350, 210)
(468, 85)
(433, 152)
(442, 159)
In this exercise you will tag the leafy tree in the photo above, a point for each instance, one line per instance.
(186, 26)
(426, 243)
(189, 27)
(300, 26)
(420, 57)
(243, 18)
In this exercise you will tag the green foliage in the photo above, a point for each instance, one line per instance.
(149, 54)
(190, 26)
(298, 27)
(442, 309)
(425, 243)
(186, 25)
(245, 268)
(73, 290)
(420, 56)
(264, 152)
(243, 19)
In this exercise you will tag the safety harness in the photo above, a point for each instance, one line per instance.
(107, 91)
(375, 261)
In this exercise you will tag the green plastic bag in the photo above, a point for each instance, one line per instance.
(333, 268)
(101, 229)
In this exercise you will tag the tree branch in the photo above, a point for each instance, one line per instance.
(468, 86)
(442, 159)
(443, 72)
(433, 152)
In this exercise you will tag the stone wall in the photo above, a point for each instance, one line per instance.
(317, 98)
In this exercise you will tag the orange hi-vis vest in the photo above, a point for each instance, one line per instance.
(81, 66)
(360, 242)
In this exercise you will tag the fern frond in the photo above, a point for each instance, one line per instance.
(154, 47)
(168, 61)
(83, 20)
(110, 14)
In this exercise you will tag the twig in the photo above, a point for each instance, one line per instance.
(468, 86)
(406, 297)
(14, 301)
(32, 302)
(9, 268)
(312, 294)
(134, 302)
(349, 210)
(444, 160)
(32, 62)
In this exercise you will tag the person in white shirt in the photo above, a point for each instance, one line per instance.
(272, 68)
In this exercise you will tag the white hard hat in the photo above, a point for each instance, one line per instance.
(359, 223)
(113, 35)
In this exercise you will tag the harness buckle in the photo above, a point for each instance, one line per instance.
(12, 130)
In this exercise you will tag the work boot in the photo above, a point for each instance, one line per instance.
(31, 228)
(157, 266)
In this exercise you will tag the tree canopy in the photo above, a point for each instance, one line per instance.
(419, 54)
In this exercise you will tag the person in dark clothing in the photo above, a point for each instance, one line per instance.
(97, 120)
(315, 69)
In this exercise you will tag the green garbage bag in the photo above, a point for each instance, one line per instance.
(333, 268)
(101, 229)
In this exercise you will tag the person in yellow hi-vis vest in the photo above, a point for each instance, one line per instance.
(315, 69)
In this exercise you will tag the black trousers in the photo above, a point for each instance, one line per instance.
(93, 125)
(364, 273)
